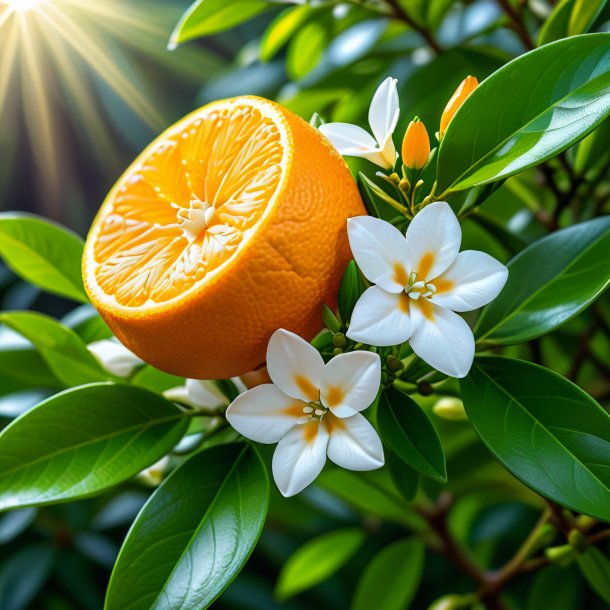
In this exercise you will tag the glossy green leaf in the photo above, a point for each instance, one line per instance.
(549, 282)
(349, 292)
(404, 477)
(60, 347)
(557, 94)
(206, 17)
(22, 369)
(544, 429)
(317, 560)
(307, 47)
(392, 578)
(407, 431)
(194, 534)
(83, 441)
(371, 493)
(554, 588)
(583, 16)
(282, 29)
(595, 567)
(594, 149)
(43, 254)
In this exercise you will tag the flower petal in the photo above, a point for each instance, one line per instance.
(441, 338)
(381, 252)
(300, 457)
(345, 136)
(265, 414)
(354, 444)
(294, 365)
(473, 280)
(380, 318)
(353, 141)
(203, 395)
(384, 110)
(434, 238)
(350, 383)
(114, 357)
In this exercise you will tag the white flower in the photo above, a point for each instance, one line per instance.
(353, 141)
(421, 281)
(115, 357)
(201, 395)
(311, 410)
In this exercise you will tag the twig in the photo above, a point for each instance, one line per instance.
(437, 519)
(496, 582)
(401, 14)
(516, 24)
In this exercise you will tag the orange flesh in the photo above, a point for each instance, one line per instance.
(156, 241)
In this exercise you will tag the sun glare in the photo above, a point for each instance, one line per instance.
(22, 6)
(67, 46)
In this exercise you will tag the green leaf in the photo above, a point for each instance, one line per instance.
(194, 534)
(595, 567)
(557, 94)
(405, 478)
(593, 149)
(317, 560)
(83, 441)
(60, 347)
(282, 29)
(556, 26)
(583, 16)
(87, 324)
(24, 369)
(371, 493)
(556, 588)
(349, 292)
(371, 194)
(544, 429)
(43, 254)
(391, 580)
(407, 431)
(330, 319)
(23, 575)
(549, 282)
(307, 47)
(206, 17)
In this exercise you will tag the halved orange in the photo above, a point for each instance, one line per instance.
(230, 225)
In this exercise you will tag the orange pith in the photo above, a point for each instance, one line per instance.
(228, 226)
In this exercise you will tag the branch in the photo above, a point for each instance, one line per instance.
(401, 14)
(516, 24)
(437, 520)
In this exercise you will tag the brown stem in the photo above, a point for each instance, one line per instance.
(599, 536)
(401, 14)
(516, 24)
(437, 519)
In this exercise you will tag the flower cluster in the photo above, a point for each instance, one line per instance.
(420, 280)
(311, 410)
(420, 283)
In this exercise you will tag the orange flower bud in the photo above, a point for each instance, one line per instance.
(467, 86)
(415, 145)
